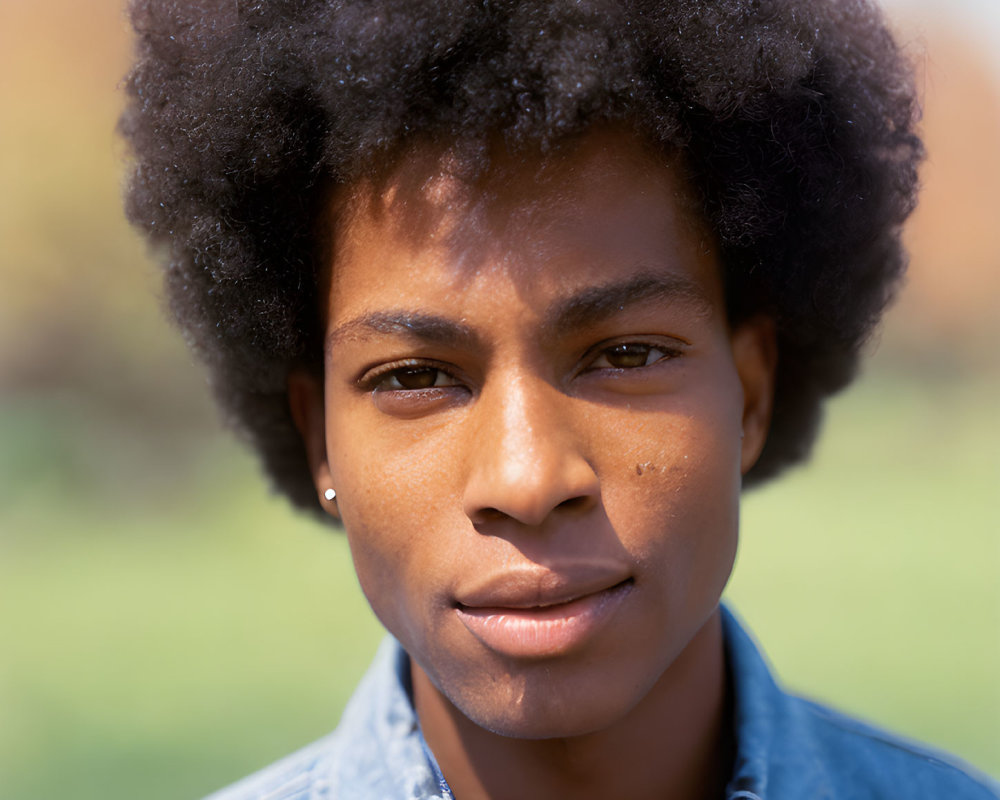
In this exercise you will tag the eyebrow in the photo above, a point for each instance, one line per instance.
(586, 307)
(598, 303)
(412, 324)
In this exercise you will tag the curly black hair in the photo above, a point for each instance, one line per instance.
(795, 120)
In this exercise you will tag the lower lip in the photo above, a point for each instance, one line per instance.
(543, 631)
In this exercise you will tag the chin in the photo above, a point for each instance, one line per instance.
(546, 724)
(553, 712)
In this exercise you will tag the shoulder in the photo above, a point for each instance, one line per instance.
(300, 776)
(790, 748)
(376, 751)
(862, 761)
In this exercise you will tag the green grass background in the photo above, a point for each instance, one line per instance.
(162, 641)
(167, 627)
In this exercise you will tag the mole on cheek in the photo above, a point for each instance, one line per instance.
(645, 466)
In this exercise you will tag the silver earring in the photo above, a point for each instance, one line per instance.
(329, 494)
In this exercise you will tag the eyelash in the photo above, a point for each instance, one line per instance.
(373, 380)
(604, 350)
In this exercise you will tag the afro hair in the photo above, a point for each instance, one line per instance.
(795, 120)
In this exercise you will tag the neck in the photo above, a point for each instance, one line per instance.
(675, 743)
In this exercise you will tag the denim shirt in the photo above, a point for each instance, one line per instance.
(787, 748)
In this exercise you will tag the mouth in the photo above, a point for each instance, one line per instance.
(552, 623)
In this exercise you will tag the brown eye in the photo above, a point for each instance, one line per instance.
(631, 355)
(409, 391)
(412, 378)
(419, 378)
(628, 356)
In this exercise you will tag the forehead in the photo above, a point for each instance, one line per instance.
(582, 214)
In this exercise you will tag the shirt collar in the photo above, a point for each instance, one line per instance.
(754, 693)
(385, 754)
(776, 734)
(382, 752)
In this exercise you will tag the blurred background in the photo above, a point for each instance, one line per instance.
(166, 626)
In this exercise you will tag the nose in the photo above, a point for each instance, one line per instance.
(526, 461)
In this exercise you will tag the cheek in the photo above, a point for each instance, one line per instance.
(397, 467)
(394, 500)
(677, 492)
(394, 570)
(380, 510)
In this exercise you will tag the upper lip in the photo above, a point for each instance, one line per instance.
(537, 586)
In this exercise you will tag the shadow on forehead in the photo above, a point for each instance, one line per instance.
(482, 201)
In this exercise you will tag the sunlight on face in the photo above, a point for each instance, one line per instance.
(533, 416)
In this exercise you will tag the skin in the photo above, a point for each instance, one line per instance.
(531, 382)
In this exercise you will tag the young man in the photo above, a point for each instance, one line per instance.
(523, 294)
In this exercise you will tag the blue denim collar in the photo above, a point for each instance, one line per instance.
(383, 711)
(753, 711)
(786, 748)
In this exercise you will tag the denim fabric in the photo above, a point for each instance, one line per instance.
(787, 748)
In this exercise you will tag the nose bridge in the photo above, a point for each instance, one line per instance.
(525, 428)
(527, 459)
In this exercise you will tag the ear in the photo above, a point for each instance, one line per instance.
(305, 401)
(755, 354)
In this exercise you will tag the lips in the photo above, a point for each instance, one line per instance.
(542, 613)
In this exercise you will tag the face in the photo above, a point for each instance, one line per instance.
(536, 419)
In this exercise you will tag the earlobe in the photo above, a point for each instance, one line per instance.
(755, 354)
(305, 401)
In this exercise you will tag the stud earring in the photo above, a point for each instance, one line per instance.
(329, 494)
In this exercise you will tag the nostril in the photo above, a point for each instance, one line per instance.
(573, 503)
(491, 514)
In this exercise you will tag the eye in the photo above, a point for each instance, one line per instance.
(630, 355)
(411, 379)
(411, 389)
